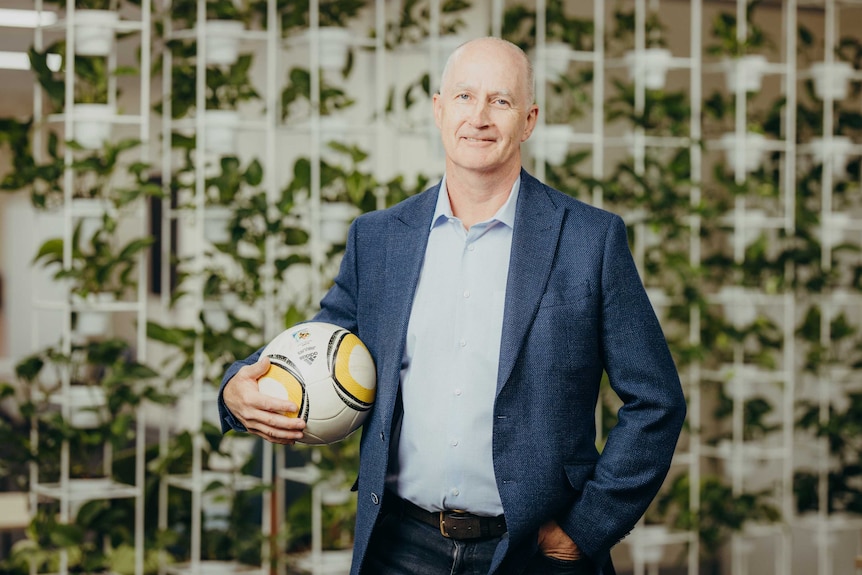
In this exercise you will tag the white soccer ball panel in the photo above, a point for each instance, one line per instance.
(273, 387)
(336, 429)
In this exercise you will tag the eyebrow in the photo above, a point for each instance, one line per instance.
(495, 93)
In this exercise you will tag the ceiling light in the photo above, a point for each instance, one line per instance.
(21, 61)
(25, 18)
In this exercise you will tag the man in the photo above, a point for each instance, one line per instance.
(492, 304)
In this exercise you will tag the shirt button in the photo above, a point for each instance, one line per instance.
(457, 392)
(463, 343)
(454, 443)
(471, 247)
(466, 293)
(455, 491)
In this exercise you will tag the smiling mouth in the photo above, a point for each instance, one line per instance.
(477, 139)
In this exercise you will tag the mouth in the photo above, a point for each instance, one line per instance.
(478, 140)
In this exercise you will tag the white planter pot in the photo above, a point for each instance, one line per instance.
(654, 62)
(333, 495)
(744, 151)
(741, 381)
(831, 81)
(215, 224)
(221, 130)
(334, 128)
(555, 138)
(92, 322)
(556, 56)
(216, 505)
(93, 124)
(90, 212)
(648, 543)
(333, 44)
(222, 38)
(834, 151)
(95, 32)
(748, 462)
(750, 224)
(335, 219)
(738, 307)
(216, 312)
(87, 405)
(745, 71)
(834, 229)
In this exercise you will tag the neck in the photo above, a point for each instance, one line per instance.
(476, 197)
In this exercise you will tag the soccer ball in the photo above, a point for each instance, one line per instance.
(325, 370)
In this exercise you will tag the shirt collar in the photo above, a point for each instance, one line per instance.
(505, 215)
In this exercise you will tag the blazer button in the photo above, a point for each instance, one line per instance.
(374, 499)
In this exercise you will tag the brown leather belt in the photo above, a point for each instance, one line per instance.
(452, 523)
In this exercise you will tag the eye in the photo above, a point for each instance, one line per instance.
(463, 96)
(502, 102)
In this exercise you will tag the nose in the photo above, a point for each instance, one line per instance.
(479, 117)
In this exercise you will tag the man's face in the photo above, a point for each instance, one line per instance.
(482, 110)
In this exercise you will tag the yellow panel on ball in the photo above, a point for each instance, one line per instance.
(278, 381)
(352, 363)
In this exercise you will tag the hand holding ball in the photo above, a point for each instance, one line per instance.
(325, 370)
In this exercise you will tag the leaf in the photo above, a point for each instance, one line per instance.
(50, 252)
(254, 173)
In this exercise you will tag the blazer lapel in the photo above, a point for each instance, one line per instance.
(534, 242)
(405, 241)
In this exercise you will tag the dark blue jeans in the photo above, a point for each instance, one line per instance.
(403, 546)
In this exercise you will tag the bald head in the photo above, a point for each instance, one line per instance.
(492, 43)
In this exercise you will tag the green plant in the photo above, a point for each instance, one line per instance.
(298, 88)
(294, 14)
(97, 4)
(186, 11)
(569, 97)
(338, 182)
(724, 29)
(519, 26)
(413, 23)
(98, 264)
(624, 29)
(841, 430)
(227, 88)
(224, 188)
(107, 364)
(91, 76)
(721, 513)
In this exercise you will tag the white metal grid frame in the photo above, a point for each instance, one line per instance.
(785, 306)
(72, 492)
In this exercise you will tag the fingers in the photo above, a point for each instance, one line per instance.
(262, 415)
(287, 432)
(554, 542)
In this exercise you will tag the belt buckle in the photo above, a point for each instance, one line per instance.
(443, 530)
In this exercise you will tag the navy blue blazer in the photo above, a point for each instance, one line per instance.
(575, 306)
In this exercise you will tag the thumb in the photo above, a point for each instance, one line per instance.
(260, 367)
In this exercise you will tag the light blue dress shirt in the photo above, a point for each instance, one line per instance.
(449, 369)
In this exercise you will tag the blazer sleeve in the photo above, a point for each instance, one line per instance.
(637, 455)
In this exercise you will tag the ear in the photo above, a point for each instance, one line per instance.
(438, 108)
(530, 124)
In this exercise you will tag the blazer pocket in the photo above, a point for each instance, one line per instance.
(573, 294)
(579, 473)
